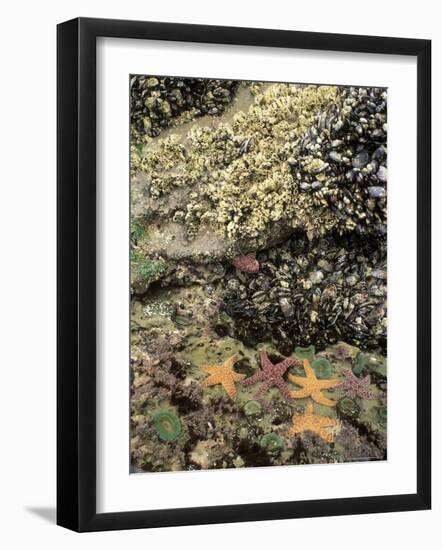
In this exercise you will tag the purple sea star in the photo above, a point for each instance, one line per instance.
(356, 387)
(271, 375)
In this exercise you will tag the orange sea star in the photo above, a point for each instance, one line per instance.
(312, 387)
(313, 423)
(223, 374)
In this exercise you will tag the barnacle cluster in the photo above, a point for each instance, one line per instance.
(236, 177)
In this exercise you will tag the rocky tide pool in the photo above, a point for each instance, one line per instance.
(258, 274)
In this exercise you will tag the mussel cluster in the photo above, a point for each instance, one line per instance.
(342, 160)
(320, 291)
(156, 102)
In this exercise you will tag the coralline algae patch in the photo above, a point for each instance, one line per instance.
(258, 274)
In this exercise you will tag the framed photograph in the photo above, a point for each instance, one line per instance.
(236, 208)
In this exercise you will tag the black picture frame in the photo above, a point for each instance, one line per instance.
(76, 274)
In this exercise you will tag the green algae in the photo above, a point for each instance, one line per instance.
(137, 231)
(145, 271)
(146, 268)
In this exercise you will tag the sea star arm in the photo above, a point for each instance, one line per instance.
(209, 381)
(284, 365)
(368, 394)
(265, 361)
(322, 400)
(257, 377)
(209, 369)
(349, 391)
(230, 388)
(299, 394)
(265, 386)
(309, 372)
(327, 436)
(230, 362)
(237, 377)
(325, 384)
(283, 389)
(348, 373)
(298, 380)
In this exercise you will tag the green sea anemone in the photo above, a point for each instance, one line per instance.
(167, 425)
(271, 442)
(347, 407)
(305, 353)
(360, 362)
(252, 408)
(322, 367)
